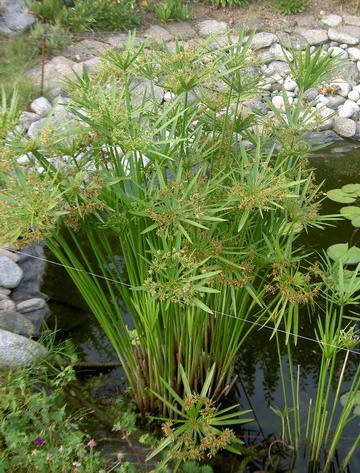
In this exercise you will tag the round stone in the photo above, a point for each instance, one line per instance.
(344, 127)
(354, 95)
(16, 350)
(10, 273)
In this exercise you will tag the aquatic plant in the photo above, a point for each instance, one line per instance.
(207, 228)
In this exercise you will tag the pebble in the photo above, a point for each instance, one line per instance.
(336, 51)
(41, 106)
(10, 273)
(289, 84)
(278, 102)
(348, 109)
(354, 53)
(345, 34)
(343, 87)
(331, 20)
(211, 27)
(16, 323)
(6, 305)
(354, 95)
(30, 305)
(263, 40)
(344, 127)
(17, 351)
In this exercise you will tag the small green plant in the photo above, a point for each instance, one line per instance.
(288, 7)
(172, 10)
(88, 14)
(195, 434)
(55, 36)
(312, 69)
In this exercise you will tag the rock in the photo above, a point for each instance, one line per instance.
(293, 40)
(255, 106)
(16, 323)
(211, 27)
(10, 273)
(145, 86)
(250, 25)
(354, 95)
(180, 30)
(321, 137)
(335, 101)
(158, 34)
(342, 86)
(35, 127)
(27, 118)
(9, 254)
(352, 20)
(14, 17)
(345, 34)
(278, 67)
(17, 351)
(6, 305)
(354, 53)
(336, 51)
(311, 94)
(344, 127)
(92, 65)
(289, 84)
(263, 40)
(278, 102)
(33, 265)
(276, 53)
(30, 305)
(348, 109)
(85, 49)
(54, 72)
(314, 37)
(306, 21)
(4, 292)
(331, 20)
(349, 72)
(41, 106)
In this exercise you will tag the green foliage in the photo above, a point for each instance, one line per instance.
(82, 15)
(172, 10)
(55, 36)
(193, 467)
(37, 433)
(348, 194)
(204, 226)
(289, 7)
(312, 69)
(196, 434)
(342, 251)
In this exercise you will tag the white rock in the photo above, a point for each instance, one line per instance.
(357, 88)
(277, 54)
(23, 159)
(354, 95)
(348, 109)
(314, 37)
(10, 254)
(289, 84)
(335, 51)
(263, 40)
(322, 100)
(41, 106)
(342, 86)
(331, 20)
(10, 273)
(278, 102)
(158, 34)
(344, 46)
(16, 350)
(354, 53)
(211, 27)
(344, 127)
(345, 34)
(30, 305)
(352, 20)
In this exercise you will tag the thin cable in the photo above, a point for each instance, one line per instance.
(303, 337)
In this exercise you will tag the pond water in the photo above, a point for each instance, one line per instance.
(259, 383)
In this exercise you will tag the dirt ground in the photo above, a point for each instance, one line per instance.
(264, 11)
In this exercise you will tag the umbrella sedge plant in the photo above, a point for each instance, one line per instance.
(192, 233)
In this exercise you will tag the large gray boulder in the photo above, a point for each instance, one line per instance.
(17, 351)
(15, 17)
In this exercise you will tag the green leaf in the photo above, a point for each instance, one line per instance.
(353, 255)
(337, 251)
(353, 189)
(356, 221)
(350, 212)
(337, 195)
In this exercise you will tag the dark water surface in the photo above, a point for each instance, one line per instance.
(259, 385)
